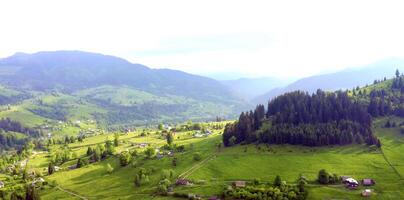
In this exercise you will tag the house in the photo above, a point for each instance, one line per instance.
(351, 183)
(170, 189)
(198, 135)
(57, 168)
(142, 145)
(366, 193)
(368, 182)
(183, 181)
(351, 180)
(214, 198)
(166, 127)
(38, 181)
(159, 156)
(344, 178)
(2, 185)
(239, 184)
(72, 167)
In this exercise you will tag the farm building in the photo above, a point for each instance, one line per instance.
(159, 156)
(239, 184)
(140, 145)
(199, 134)
(368, 182)
(38, 181)
(344, 178)
(182, 181)
(57, 168)
(351, 183)
(366, 193)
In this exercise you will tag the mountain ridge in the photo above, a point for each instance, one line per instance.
(341, 80)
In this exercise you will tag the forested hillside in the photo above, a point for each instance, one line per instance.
(14, 135)
(300, 118)
(342, 117)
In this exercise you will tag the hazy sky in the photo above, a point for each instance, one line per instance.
(259, 38)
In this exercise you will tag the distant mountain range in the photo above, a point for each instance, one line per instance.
(250, 88)
(346, 79)
(118, 86)
(66, 85)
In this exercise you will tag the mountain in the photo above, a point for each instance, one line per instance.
(128, 91)
(346, 79)
(249, 88)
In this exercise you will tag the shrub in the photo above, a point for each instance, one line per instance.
(197, 156)
(150, 152)
(256, 181)
(277, 181)
(124, 158)
(81, 162)
(325, 178)
(174, 162)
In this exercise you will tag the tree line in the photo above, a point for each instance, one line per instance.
(8, 139)
(323, 118)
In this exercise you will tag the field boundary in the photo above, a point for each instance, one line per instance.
(195, 167)
(71, 193)
(392, 167)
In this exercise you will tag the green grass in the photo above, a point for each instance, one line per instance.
(237, 163)
(22, 115)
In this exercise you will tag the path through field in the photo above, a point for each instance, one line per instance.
(389, 163)
(196, 166)
(71, 193)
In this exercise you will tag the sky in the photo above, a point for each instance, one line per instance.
(251, 38)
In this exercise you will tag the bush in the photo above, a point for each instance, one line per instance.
(277, 181)
(150, 152)
(323, 177)
(175, 161)
(125, 158)
(327, 178)
(256, 181)
(163, 186)
(197, 156)
(81, 162)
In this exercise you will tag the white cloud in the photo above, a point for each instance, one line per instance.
(274, 38)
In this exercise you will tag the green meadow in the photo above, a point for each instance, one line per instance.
(221, 166)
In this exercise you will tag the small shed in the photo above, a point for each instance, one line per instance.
(57, 168)
(182, 181)
(159, 156)
(367, 193)
(2, 185)
(239, 184)
(368, 182)
(351, 183)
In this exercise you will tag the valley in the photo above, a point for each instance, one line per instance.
(129, 141)
(221, 166)
(201, 100)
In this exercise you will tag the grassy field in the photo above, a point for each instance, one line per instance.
(219, 167)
